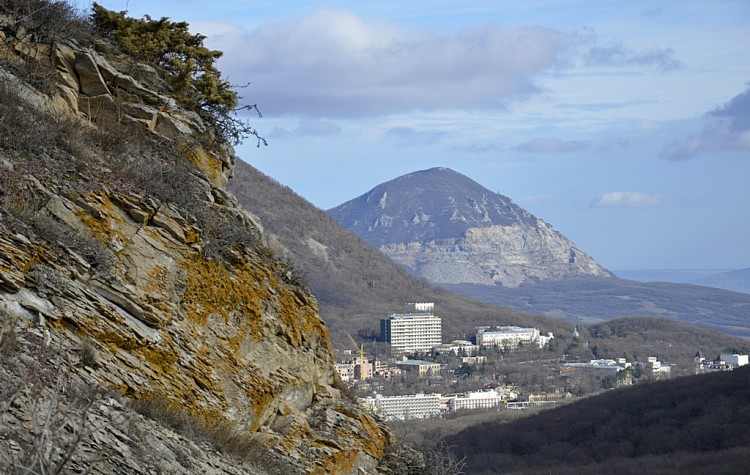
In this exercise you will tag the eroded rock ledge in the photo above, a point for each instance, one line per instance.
(234, 342)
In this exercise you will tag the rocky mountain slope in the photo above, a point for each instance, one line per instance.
(443, 226)
(130, 278)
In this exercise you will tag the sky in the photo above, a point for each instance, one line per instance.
(623, 124)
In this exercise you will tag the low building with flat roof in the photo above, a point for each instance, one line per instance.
(424, 368)
(410, 406)
(510, 336)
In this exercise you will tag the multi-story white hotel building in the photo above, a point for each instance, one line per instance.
(411, 332)
(411, 406)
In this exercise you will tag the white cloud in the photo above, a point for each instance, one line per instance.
(409, 136)
(616, 54)
(478, 147)
(550, 145)
(726, 128)
(311, 128)
(335, 63)
(627, 199)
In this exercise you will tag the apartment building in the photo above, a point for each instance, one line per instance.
(656, 367)
(420, 330)
(356, 369)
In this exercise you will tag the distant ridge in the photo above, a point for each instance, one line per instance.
(736, 281)
(447, 228)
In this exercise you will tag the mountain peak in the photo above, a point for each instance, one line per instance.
(444, 226)
(437, 203)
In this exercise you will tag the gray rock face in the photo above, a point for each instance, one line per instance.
(231, 342)
(443, 226)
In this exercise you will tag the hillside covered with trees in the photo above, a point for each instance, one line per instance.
(696, 424)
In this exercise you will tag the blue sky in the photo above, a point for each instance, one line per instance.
(625, 125)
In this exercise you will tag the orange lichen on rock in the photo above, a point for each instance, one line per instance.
(102, 226)
(211, 288)
(260, 389)
(376, 441)
(17, 260)
(205, 162)
(158, 280)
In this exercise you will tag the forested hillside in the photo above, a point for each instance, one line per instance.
(696, 424)
(590, 300)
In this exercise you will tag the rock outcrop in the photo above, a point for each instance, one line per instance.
(440, 225)
(173, 292)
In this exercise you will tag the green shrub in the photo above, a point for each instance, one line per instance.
(189, 66)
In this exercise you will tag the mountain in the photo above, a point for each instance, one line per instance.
(693, 424)
(144, 325)
(355, 284)
(736, 281)
(445, 227)
(504, 244)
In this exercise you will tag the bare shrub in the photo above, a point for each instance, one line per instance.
(54, 405)
(87, 354)
(8, 337)
(101, 259)
(48, 19)
(216, 432)
(400, 459)
(441, 460)
(58, 426)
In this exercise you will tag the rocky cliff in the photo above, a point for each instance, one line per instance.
(445, 227)
(130, 278)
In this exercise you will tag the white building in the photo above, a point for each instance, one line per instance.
(510, 336)
(473, 359)
(457, 347)
(735, 359)
(412, 332)
(411, 406)
(608, 370)
(724, 362)
(477, 400)
(656, 367)
(345, 371)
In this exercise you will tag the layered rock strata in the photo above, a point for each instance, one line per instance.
(230, 338)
